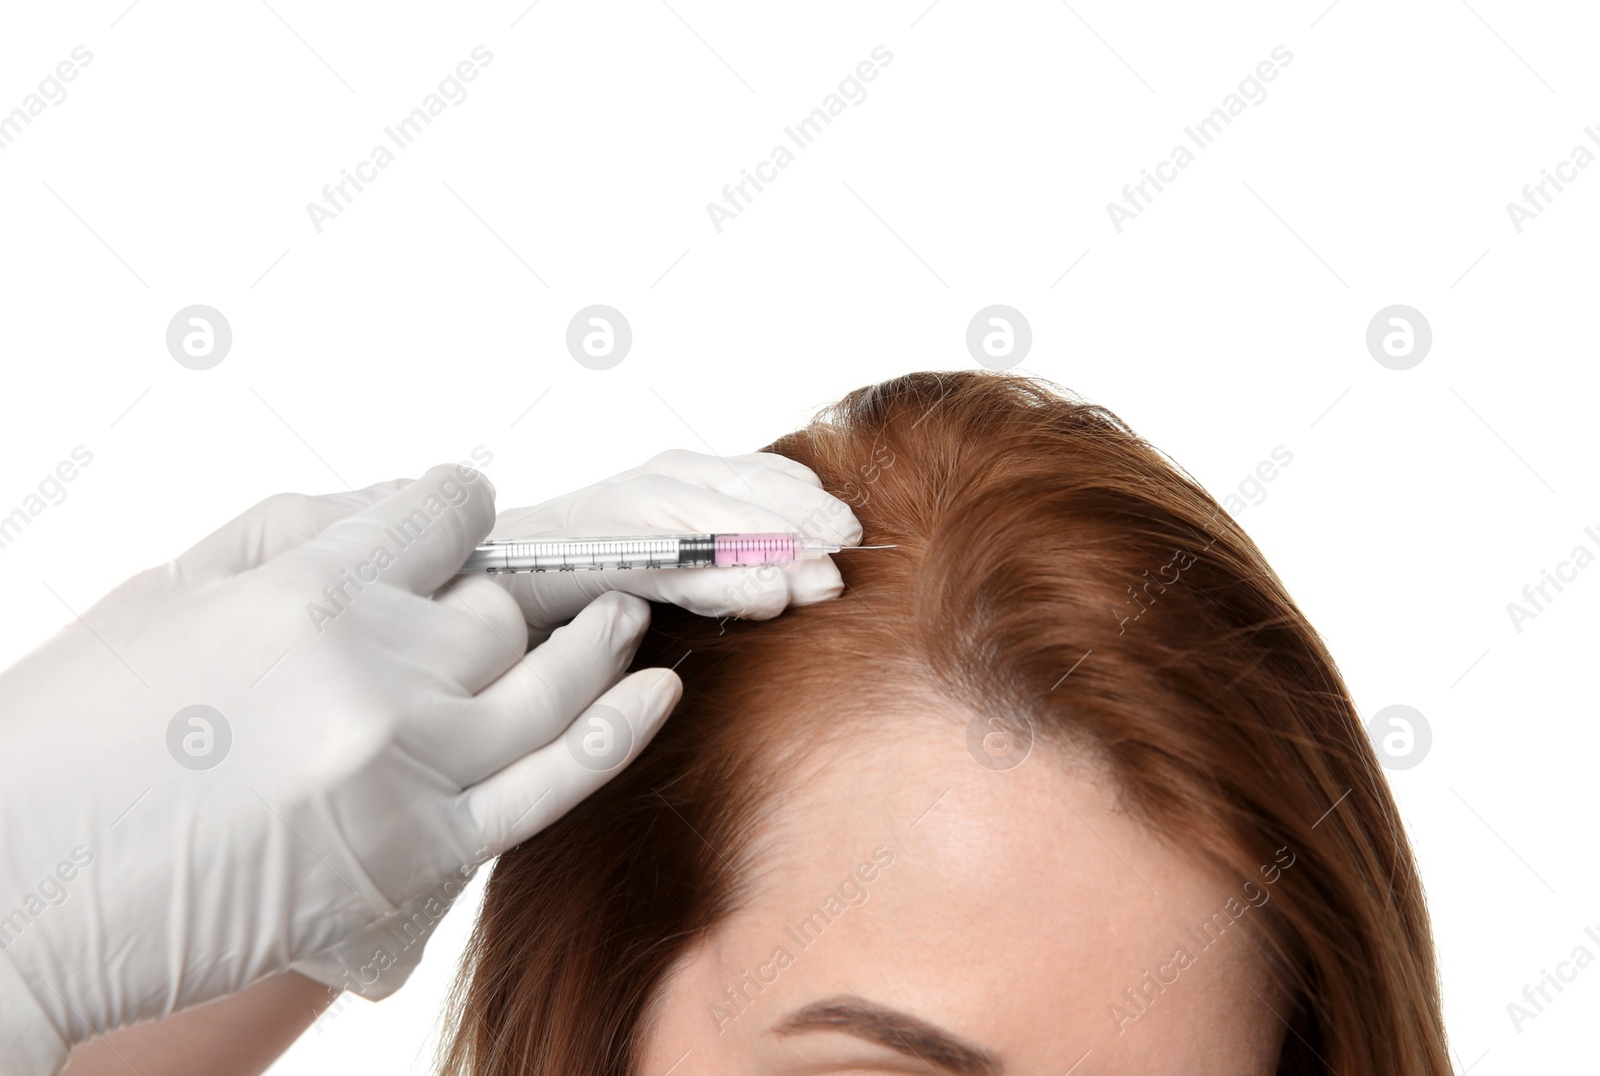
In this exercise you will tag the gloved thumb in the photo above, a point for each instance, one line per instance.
(417, 537)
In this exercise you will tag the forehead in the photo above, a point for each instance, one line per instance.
(1017, 908)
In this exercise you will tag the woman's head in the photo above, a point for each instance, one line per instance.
(1065, 776)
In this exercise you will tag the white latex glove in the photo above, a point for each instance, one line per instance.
(366, 754)
(681, 491)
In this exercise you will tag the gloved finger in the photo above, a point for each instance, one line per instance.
(538, 696)
(274, 526)
(415, 539)
(793, 468)
(489, 638)
(458, 642)
(539, 788)
(812, 510)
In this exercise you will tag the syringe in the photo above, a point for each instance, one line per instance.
(648, 551)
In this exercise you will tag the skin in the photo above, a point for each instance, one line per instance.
(239, 1035)
(1018, 907)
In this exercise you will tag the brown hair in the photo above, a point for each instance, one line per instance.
(1032, 528)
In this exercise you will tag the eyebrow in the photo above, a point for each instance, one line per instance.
(895, 1030)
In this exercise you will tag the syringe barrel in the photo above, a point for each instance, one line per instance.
(776, 548)
(637, 551)
(594, 554)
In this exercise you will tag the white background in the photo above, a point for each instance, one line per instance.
(1227, 319)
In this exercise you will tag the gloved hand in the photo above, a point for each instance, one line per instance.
(673, 492)
(362, 743)
(681, 491)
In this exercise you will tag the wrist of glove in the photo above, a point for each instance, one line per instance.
(29, 1039)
